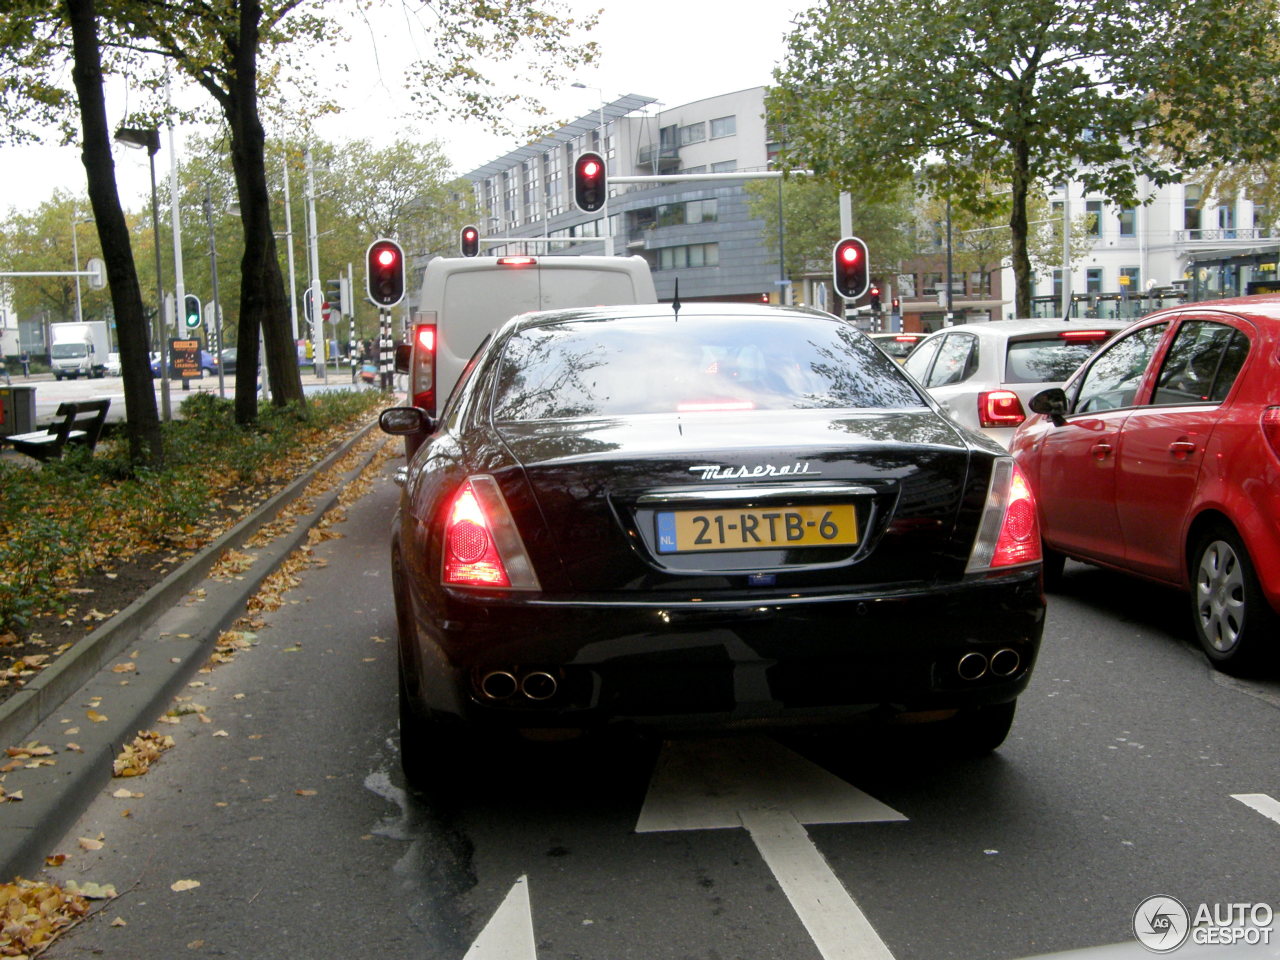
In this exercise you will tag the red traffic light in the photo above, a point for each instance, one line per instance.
(589, 182)
(384, 273)
(469, 241)
(849, 263)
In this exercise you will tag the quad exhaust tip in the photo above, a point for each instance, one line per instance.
(1003, 663)
(972, 666)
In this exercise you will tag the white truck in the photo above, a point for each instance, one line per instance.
(78, 349)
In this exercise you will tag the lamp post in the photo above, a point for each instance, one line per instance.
(75, 255)
(604, 209)
(213, 272)
(149, 140)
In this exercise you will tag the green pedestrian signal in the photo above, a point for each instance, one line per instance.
(191, 313)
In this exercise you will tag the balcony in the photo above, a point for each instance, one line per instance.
(1221, 234)
(667, 157)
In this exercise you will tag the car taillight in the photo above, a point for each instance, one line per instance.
(482, 547)
(1009, 534)
(1000, 408)
(1271, 428)
(422, 378)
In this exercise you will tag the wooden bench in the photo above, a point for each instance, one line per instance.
(79, 422)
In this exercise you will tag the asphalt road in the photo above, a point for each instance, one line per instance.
(1118, 783)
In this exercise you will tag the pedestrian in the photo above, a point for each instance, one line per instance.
(25, 358)
(357, 360)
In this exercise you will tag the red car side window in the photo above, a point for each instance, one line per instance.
(1113, 379)
(1202, 363)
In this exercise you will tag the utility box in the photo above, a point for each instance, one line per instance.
(17, 410)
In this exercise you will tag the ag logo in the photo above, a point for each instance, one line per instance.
(1161, 924)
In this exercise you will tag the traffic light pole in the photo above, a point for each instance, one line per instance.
(386, 351)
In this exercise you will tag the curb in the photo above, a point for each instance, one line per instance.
(176, 638)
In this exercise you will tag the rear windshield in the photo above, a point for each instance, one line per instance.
(694, 364)
(1047, 360)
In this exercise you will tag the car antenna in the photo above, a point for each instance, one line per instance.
(675, 302)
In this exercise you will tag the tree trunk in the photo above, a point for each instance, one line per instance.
(1018, 231)
(264, 309)
(146, 446)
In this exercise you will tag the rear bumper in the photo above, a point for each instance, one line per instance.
(708, 665)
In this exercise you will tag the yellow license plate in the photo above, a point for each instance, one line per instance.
(684, 531)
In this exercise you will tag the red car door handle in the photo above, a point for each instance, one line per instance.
(1181, 449)
(1101, 451)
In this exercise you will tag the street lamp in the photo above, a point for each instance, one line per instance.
(604, 210)
(149, 140)
(217, 304)
(75, 255)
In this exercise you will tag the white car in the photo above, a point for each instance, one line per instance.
(985, 374)
(113, 364)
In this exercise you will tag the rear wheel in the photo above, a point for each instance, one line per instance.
(1234, 623)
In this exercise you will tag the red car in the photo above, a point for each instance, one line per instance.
(1161, 458)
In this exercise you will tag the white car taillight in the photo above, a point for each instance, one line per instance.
(482, 547)
(1009, 533)
(1000, 408)
(422, 378)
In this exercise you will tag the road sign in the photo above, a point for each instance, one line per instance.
(326, 311)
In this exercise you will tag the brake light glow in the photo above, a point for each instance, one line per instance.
(1270, 423)
(482, 547)
(422, 375)
(517, 261)
(1009, 532)
(1084, 334)
(1000, 408)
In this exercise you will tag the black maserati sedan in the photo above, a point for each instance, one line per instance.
(705, 516)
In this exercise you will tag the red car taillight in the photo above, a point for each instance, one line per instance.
(422, 378)
(1270, 423)
(1000, 408)
(1009, 534)
(482, 547)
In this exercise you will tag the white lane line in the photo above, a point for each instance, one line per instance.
(839, 929)
(509, 933)
(1269, 807)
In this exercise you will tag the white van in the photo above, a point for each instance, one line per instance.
(464, 299)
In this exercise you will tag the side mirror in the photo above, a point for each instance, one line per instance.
(1052, 403)
(405, 421)
(404, 355)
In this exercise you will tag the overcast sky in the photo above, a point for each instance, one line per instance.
(676, 51)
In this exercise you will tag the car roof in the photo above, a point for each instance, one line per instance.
(665, 310)
(1014, 328)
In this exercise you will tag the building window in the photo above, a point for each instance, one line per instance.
(1227, 220)
(1191, 207)
(1128, 221)
(691, 211)
(700, 168)
(689, 255)
(1130, 280)
(1057, 285)
(723, 127)
(1093, 280)
(979, 283)
(1093, 218)
(725, 166)
(693, 133)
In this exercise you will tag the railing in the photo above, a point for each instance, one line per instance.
(1224, 233)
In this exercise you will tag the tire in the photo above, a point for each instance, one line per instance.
(1233, 623)
(1053, 565)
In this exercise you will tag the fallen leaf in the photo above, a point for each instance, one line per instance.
(88, 843)
(221, 733)
(183, 885)
(124, 667)
(55, 860)
(305, 793)
(118, 922)
(92, 891)
(95, 716)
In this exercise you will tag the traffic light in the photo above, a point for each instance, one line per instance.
(895, 306)
(469, 240)
(191, 311)
(589, 182)
(384, 273)
(850, 268)
(333, 296)
(875, 299)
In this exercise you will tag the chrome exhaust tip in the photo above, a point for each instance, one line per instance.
(498, 685)
(972, 666)
(538, 685)
(1005, 663)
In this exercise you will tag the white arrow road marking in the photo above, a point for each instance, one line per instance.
(760, 785)
(509, 933)
(1267, 806)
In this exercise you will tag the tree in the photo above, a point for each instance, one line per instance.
(811, 218)
(1027, 91)
(42, 241)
